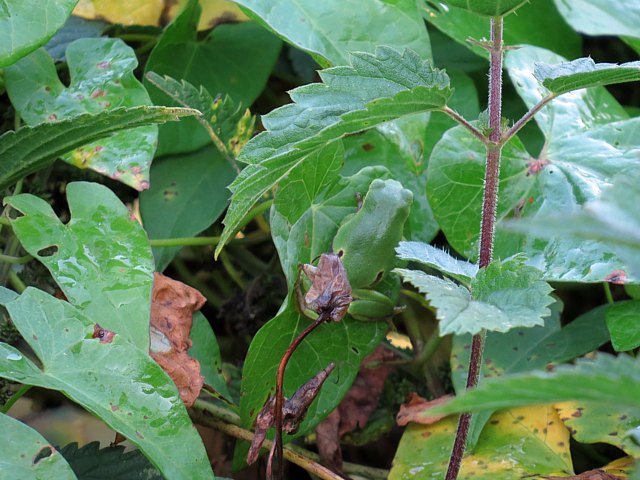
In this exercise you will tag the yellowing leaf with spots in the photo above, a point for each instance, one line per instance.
(213, 12)
(529, 442)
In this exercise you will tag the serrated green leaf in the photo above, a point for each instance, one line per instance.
(180, 185)
(20, 446)
(623, 321)
(584, 73)
(492, 8)
(30, 149)
(114, 380)
(90, 462)
(345, 26)
(439, 259)
(520, 29)
(234, 59)
(502, 296)
(609, 380)
(102, 79)
(205, 349)
(102, 260)
(27, 24)
(373, 90)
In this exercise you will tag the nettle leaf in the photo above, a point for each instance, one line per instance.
(30, 149)
(502, 296)
(589, 139)
(234, 59)
(491, 8)
(433, 257)
(342, 27)
(27, 455)
(527, 442)
(27, 24)
(373, 90)
(102, 79)
(622, 321)
(111, 463)
(526, 349)
(114, 380)
(608, 380)
(460, 24)
(584, 73)
(100, 259)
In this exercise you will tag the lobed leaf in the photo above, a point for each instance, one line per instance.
(114, 380)
(102, 79)
(373, 90)
(100, 259)
(584, 73)
(27, 455)
(30, 149)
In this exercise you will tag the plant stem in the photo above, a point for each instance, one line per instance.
(184, 242)
(525, 118)
(16, 282)
(489, 208)
(607, 292)
(280, 388)
(15, 260)
(14, 398)
(462, 121)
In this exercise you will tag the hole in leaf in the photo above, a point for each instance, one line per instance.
(43, 453)
(48, 251)
(355, 350)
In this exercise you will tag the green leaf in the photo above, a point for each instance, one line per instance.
(27, 24)
(492, 8)
(584, 73)
(172, 207)
(73, 29)
(90, 462)
(30, 149)
(433, 257)
(102, 79)
(20, 446)
(205, 349)
(622, 322)
(609, 380)
(114, 380)
(234, 59)
(373, 90)
(460, 24)
(101, 258)
(333, 29)
(520, 443)
(502, 296)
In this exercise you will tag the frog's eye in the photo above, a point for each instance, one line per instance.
(379, 276)
(340, 253)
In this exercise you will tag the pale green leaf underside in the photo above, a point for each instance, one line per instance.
(584, 73)
(19, 445)
(27, 24)
(614, 381)
(31, 148)
(433, 257)
(102, 262)
(373, 90)
(116, 381)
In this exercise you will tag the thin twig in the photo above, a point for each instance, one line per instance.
(462, 121)
(14, 398)
(515, 128)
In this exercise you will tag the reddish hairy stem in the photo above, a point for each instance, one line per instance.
(280, 393)
(489, 207)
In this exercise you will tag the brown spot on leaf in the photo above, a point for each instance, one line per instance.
(536, 166)
(172, 307)
(104, 335)
(114, 408)
(619, 277)
(103, 65)
(367, 147)
(53, 117)
(98, 93)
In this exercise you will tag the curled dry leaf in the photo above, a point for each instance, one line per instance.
(293, 412)
(172, 307)
(330, 291)
(415, 406)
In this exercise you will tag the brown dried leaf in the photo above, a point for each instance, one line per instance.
(328, 441)
(172, 307)
(330, 291)
(412, 410)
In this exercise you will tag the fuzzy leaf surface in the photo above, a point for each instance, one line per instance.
(503, 296)
(584, 73)
(114, 380)
(30, 149)
(102, 79)
(433, 257)
(102, 260)
(20, 445)
(27, 24)
(342, 27)
(373, 90)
